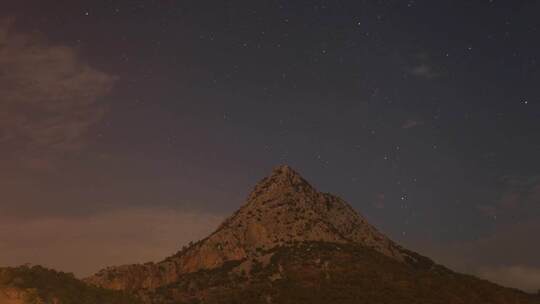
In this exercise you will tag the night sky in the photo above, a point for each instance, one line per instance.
(128, 128)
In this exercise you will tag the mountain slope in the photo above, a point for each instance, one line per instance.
(283, 208)
(35, 285)
(322, 272)
(290, 243)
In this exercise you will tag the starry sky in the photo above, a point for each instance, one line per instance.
(128, 128)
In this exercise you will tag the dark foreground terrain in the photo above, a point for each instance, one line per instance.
(38, 285)
(318, 272)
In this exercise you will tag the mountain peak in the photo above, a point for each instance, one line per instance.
(283, 209)
(283, 181)
(284, 170)
(284, 175)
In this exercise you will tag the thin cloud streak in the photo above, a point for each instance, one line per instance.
(84, 245)
(508, 250)
(516, 276)
(425, 71)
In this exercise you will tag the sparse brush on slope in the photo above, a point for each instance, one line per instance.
(36, 285)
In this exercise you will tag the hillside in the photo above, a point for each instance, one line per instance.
(38, 285)
(321, 272)
(283, 208)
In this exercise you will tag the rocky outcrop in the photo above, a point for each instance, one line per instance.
(283, 209)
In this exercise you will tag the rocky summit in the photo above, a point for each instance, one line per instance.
(290, 243)
(282, 209)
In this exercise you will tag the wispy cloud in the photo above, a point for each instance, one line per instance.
(425, 71)
(50, 96)
(518, 197)
(411, 123)
(516, 276)
(508, 256)
(86, 244)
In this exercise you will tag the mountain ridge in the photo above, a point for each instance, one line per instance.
(282, 208)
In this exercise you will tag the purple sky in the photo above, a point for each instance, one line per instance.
(129, 128)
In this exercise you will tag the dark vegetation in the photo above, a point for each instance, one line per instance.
(43, 285)
(319, 272)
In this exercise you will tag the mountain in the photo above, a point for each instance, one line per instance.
(38, 285)
(282, 209)
(290, 243)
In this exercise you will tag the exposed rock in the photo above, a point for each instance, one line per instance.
(283, 209)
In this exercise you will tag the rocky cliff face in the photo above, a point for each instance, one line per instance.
(283, 209)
